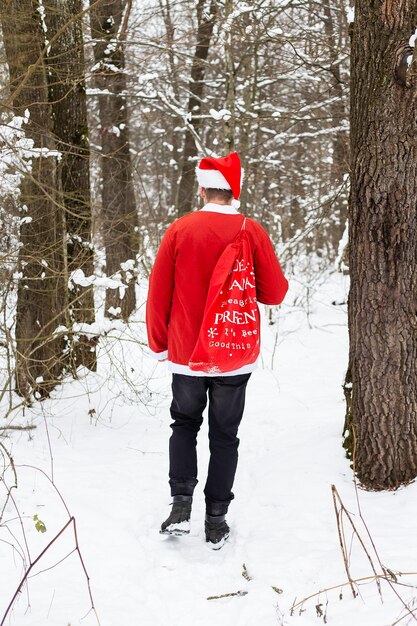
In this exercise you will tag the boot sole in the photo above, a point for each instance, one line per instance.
(176, 528)
(176, 532)
(219, 544)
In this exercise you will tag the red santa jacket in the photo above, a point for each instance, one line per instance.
(180, 278)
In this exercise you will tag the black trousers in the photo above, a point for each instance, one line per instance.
(226, 395)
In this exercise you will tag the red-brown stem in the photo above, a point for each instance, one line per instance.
(31, 566)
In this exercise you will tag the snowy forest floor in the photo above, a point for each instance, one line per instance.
(103, 439)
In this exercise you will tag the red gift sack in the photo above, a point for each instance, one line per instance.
(230, 332)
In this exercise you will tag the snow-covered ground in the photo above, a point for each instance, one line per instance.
(103, 439)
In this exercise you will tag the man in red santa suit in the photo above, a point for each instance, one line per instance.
(178, 288)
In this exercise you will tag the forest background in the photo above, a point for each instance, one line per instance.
(106, 108)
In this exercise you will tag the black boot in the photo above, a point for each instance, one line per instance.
(178, 523)
(217, 530)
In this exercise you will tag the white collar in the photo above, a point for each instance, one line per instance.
(220, 208)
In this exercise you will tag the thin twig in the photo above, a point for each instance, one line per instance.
(27, 427)
(355, 530)
(387, 578)
(226, 595)
(31, 566)
(342, 543)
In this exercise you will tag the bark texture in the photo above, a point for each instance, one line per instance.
(42, 300)
(119, 216)
(383, 245)
(66, 67)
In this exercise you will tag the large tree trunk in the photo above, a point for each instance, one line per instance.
(383, 244)
(119, 219)
(204, 32)
(67, 94)
(41, 303)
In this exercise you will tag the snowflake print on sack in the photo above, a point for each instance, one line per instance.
(212, 332)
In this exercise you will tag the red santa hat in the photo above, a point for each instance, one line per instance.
(222, 173)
